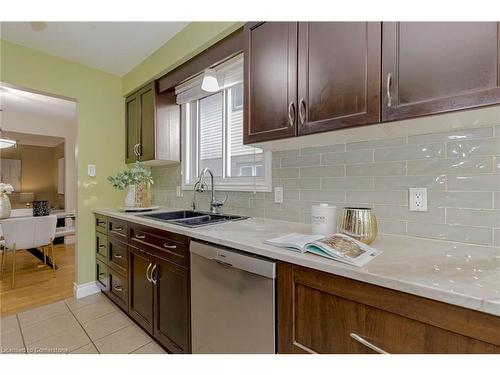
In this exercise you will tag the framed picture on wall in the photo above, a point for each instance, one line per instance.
(11, 173)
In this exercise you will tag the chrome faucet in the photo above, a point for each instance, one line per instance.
(200, 186)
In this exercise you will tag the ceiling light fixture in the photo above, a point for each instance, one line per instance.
(210, 82)
(6, 142)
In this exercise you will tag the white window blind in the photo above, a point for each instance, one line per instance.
(228, 73)
(212, 126)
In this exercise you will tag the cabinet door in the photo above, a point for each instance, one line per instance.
(171, 306)
(311, 320)
(338, 75)
(146, 97)
(131, 128)
(270, 81)
(140, 302)
(434, 67)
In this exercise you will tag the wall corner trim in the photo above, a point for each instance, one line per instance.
(84, 290)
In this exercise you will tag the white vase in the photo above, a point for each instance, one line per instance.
(4, 206)
(130, 198)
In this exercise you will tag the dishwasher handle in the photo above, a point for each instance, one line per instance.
(235, 259)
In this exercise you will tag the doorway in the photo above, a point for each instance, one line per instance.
(41, 166)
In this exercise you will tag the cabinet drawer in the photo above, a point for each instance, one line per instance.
(101, 224)
(102, 276)
(170, 246)
(118, 256)
(324, 313)
(117, 228)
(118, 289)
(101, 247)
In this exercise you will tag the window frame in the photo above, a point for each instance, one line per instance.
(191, 155)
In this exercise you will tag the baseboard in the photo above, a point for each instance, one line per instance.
(84, 290)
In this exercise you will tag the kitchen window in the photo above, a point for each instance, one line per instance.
(212, 133)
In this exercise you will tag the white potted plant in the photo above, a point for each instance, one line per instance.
(5, 207)
(138, 180)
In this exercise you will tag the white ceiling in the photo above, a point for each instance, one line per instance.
(34, 139)
(114, 47)
(37, 105)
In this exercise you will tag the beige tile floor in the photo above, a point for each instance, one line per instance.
(89, 325)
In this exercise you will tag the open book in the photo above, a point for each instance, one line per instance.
(337, 246)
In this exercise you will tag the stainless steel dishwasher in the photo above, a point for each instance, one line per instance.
(232, 301)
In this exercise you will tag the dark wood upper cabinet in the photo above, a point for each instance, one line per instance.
(152, 126)
(171, 306)
(140, 303)
(338, 75)
(270, 110)
(147, 120)
(131, 129)
(435, 67)
(303, 78)
(309, 77)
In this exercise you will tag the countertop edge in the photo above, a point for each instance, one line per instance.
(489, 306)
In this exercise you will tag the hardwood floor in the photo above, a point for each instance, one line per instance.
(35, 282)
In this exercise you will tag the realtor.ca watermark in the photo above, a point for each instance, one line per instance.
(34, 350)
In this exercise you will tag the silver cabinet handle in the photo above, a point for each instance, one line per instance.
(147, 273)
(152, 272)
(302, 111)
(388, 90)
(139, 149)
(102, 275)
(368, 344)
(119, 256)
(117, 229)
(102, 246)
(291, 114)
(118, 288)
(101, 223)
(136, 149)
(140, 236)
(167, 246)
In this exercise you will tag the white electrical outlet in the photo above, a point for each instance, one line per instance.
(178, 192)
(418, 199)
(91, 170)
(278, 195)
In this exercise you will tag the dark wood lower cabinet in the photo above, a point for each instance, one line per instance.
(171, 306)
(140, 306)
(323, 313)
(145, 271)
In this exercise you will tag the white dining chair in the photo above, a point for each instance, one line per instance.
(26, 233)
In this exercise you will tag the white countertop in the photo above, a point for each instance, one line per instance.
(456, 273)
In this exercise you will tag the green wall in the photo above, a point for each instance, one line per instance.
(100, 133)
(191, 40)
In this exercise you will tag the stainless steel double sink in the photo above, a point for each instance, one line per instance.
(192, 219)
